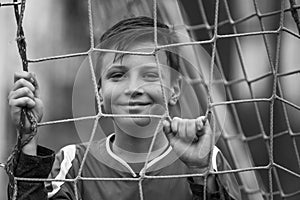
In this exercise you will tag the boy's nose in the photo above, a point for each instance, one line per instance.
(134, 88)
(136, 92)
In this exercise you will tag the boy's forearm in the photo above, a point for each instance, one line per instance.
(31, 147)
(29, 191)
(32, 166)
(214, 189)
(211, 181)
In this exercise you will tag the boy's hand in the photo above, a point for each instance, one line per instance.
(25, 93)
(191, 139)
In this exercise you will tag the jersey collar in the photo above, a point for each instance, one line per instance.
(150, 164)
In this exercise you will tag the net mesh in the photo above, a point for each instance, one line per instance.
(275, 188)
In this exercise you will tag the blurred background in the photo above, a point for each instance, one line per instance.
(59, 27)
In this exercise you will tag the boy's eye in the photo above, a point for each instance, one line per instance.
(151, 76)
(115, 76)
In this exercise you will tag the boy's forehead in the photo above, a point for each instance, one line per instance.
(109, 59)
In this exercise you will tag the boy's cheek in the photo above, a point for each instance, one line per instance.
(106, 106)
(157, 109)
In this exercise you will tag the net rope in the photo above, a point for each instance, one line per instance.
(277, 92)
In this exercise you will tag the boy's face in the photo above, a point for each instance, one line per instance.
(131, 85)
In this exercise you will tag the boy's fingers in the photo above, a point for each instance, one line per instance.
(182, 128)
(22, 74)
(166, 126)
(168, 132)
(191, 130)
(22, 102)
(21, 92)
(29, 76)
(27, 79)
(23, 83)
(36, 85)
(174, 125)
(200, 125)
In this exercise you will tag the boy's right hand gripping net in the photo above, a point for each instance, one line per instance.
(26, 114)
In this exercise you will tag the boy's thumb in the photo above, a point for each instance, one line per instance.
(167, 129)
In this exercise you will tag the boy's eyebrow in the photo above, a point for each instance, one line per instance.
(122, 67)
(154, 65)
(150, 65)
(115, 66)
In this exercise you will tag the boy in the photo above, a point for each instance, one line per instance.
(128, 84)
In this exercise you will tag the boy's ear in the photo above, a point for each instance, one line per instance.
(100, 94)
(175, 91)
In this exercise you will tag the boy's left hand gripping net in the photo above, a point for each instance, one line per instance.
(25, 112)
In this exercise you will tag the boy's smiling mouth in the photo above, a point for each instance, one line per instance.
(138, 103)
(136, 106)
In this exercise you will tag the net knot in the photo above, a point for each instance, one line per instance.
(20, 38)
(142, 173)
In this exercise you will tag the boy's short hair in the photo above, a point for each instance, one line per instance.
(127, 32)
(129, 24)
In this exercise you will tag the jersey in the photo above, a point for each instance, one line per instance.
(101, 162)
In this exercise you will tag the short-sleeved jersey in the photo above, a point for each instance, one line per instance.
(101, 162)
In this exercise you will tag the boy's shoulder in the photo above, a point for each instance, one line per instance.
(79, 149)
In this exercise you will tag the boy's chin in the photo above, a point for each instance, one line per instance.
(138, 127)
(144, 122)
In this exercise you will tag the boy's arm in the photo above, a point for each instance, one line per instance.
(219, 194)
(33, 161)
(192, 140)
(25, 93)
(220, 186)
(30, 166)
(45, 165)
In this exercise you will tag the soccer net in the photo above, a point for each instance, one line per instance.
(253, 49)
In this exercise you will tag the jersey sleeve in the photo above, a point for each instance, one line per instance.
(64, 170)
(227, 182)
(227, 185)
(46, 165)
(32, 167)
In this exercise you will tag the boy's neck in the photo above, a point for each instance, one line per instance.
(132, 157)
(126, 146)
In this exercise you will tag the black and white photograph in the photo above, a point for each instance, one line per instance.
(149, 99)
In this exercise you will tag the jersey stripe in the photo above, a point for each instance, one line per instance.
(155, 160)
(116, 157)
(124, 163)
(214, 158)
(68, 156)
